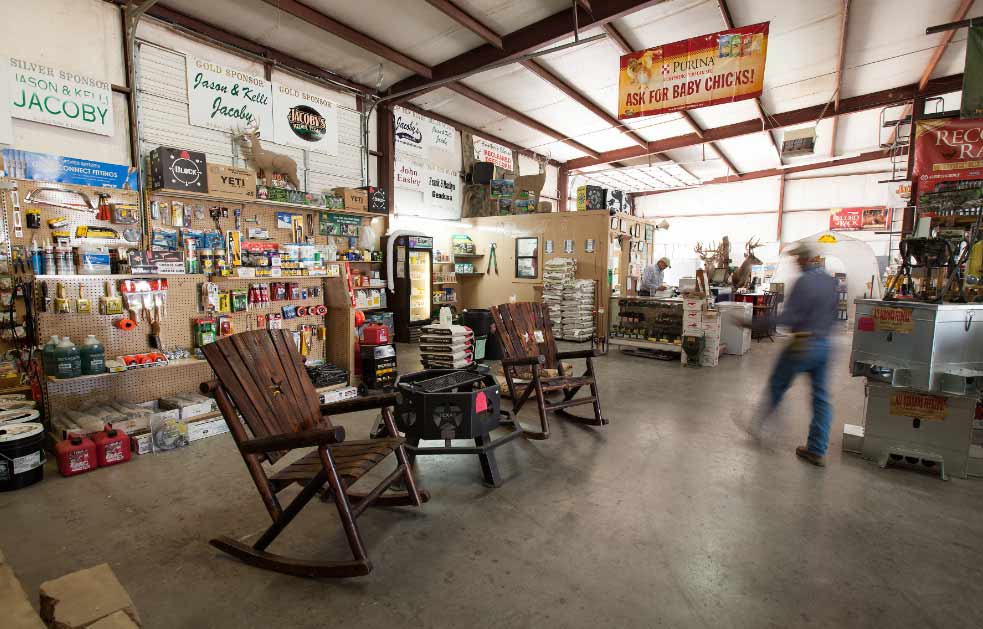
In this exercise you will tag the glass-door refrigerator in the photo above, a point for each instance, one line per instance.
(412, 299)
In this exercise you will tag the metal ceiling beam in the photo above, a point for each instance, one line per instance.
(527, 39)
(729, 23)
(794, 117)
(840, 57)
(519, 117)
(788, 170)
(573, 94)
(933, 63)
(349, 34)
(617, 38)
(467, 20)
(241, 44)
(460, 126)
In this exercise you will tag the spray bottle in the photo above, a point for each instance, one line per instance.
(37, 261)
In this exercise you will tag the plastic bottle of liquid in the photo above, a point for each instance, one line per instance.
(112, 446)
(92, 356)
(50, 268)
(48, 356)
(68, 359)
(37, 259)
(76, 455)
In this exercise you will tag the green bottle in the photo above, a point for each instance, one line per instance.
(93, 356)
(68, 359)
(48, 356)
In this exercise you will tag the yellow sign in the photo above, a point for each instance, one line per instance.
(707, 70)
(908, 404)
(828, 239)
(893, 320)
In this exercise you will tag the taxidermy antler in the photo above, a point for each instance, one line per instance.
(708, 256)
(742, 276)
(263, 161)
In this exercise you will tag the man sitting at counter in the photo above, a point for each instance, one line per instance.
(652, 278)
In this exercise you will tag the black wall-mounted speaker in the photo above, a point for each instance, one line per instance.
(482, 172)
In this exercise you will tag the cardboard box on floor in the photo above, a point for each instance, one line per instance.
(82, 598)
(17, 610)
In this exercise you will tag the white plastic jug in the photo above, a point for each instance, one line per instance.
(445, 316)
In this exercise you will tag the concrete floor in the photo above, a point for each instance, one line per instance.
(667, 517)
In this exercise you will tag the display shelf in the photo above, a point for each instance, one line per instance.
(184, 362)
(469, 274)
(469, 255)
(445, 303)
(111, 276)
(666, 347)
(359, 261)
(283, 204)
(367, 308)
(264, 278)
(445, 283)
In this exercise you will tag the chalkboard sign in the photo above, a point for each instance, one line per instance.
(595, 198)
(376, 200)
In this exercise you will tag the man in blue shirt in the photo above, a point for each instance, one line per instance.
(810, 313)
(653, 278)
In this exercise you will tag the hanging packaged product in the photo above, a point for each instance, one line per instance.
(209, 297)
(124, 214)
(32, 218)
(191, 256)
(204, 329)
(225, 326)
(234, 248)
(239, 300)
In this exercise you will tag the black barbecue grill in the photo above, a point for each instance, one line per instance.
(448, 404)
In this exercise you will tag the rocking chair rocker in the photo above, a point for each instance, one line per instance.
(527, 341)
(261, 378)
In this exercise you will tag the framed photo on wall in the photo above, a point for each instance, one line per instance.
(527, 258)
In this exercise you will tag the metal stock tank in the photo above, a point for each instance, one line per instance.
(927, 347)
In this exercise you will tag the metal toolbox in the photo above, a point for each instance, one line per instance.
(907, 423)
(928, 347)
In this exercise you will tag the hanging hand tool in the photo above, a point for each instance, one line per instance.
(109, 304)
(82, 304)
(61, 302)
(96, 231)
(45, 299)
(15, 200)
(238, 215)
(49, 195)
(492, 259)
(103, 213)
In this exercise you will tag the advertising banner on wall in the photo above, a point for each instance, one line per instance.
(707, 70)
(304, 120)
(62, 98)
(408, 175)
(60, 169)
(409, 132)
(947, 150)
(443, 190)
(442, 136)
(971, 105)
(488, 151)
(859, 218)
(227, 99)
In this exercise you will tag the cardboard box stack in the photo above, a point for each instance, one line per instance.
(578, 310)
(557, 273)
(699, 321)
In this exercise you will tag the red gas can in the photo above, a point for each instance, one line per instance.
(375, 334)
(76, 455)
(112, 446)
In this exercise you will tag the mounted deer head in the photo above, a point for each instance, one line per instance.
(262, 161)
(742, 276)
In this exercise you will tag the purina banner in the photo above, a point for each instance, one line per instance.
(859, 218)
(304, 120)
(707, 70)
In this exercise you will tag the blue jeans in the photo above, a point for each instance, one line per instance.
(809, 356)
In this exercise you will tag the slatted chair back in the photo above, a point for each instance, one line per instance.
(524, 331)
(263, 375)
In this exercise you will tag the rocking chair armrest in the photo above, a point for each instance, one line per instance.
(290, 441)
(578, 353)
(365, 403)
(523, 361)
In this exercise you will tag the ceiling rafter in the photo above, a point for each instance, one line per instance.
(542, 72)
(518, 116)
(525, 40)
(788, 170)
(349, 34)
(840, 57)
(729, 23)
(874, 100)
(467, 20)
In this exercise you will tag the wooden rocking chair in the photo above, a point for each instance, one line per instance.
(262, 379)
(528, 346)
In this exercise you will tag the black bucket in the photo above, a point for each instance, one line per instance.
(21, 455)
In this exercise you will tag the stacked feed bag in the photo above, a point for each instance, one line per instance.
(447, 347)
(557, 274)
(577, 310)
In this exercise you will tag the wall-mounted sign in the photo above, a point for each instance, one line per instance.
(63, 98)
(443, 189)
(947, 150)
(408, 131)
(227, 99)
(339, 224)
(304, 120)
(707, 70)
(58, 169)
(859, 218)
(408, 175)
(178, 169)
(442, 136)
(488, 151)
